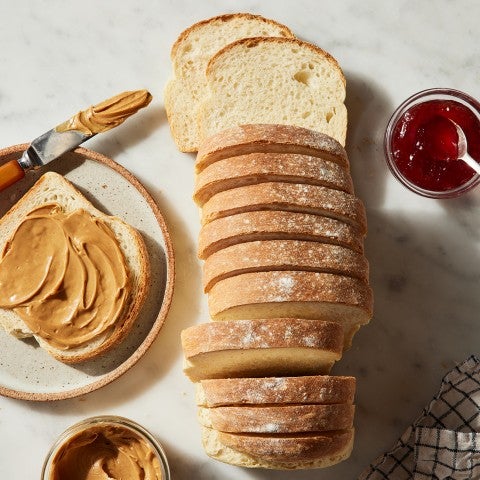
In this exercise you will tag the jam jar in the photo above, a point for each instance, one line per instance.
(421, 142)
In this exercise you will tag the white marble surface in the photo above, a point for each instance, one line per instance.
(57, 57)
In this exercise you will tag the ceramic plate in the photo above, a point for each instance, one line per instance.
(27, 371)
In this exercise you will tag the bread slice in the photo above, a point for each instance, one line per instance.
(307, 389)
(258, 348)
(53, 188)
(268, 138)
(274, 80)
(190, 54)
(325, 296)
(290, 197)
(268, 255)
(279, 452)
(278, 418)
(269, 167)
(273, 225)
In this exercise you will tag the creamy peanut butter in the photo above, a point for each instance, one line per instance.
(106, 452)
(107, 114)
(64, 275)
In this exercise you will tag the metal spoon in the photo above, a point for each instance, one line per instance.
(463, 151)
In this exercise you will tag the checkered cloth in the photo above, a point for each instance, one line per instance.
(444, 442)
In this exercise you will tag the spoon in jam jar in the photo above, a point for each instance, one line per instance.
(463, 149)
(444, 140)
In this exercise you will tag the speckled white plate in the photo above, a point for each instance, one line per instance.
(27, 371)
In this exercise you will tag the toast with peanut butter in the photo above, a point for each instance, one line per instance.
(71, 276)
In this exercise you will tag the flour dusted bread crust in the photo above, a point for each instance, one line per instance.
(52, 187)
(269, 167)
(278, 255)
(278, 418)
(279, 452)
(288, 197)
(281, 346)
(190, 55)
(325, 296)
(273, 137)
(307, 389)
(274, 80)
(276, 225)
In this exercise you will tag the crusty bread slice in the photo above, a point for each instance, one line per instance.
(54, 188)
(325, 296)
(268, 138)
(267, 255)
(279, 452)
(258, 348)
(190, 55)
(278, 418)
(291, 197)
(269, 167)
(276, 225)
(307, 389)
(274, 80)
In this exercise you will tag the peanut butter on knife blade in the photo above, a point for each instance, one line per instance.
(107, 114)
(70, 134)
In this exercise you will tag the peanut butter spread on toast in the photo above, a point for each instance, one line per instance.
(65, 275)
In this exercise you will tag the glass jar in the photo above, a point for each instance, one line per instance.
(97, 424)
(457, 178)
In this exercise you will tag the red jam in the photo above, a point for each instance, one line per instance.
(425, 144)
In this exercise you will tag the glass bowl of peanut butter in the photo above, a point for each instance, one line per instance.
(106, 447)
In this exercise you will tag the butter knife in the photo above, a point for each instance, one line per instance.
(73, 132)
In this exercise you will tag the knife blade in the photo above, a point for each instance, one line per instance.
(73, 132)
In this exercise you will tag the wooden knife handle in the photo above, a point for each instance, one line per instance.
(10, 173)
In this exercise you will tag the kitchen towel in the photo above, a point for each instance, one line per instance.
(444, 442)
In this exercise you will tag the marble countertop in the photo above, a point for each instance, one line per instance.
(57, 57)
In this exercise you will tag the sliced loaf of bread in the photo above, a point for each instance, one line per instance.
(308, 389)
(268, 138)
(190, 55)
(268, 255)
(278, 418)
(276, 225)
(274, 80)
(258, 348)
(269, 167)
(326, 296)
(289, 197)
(281, 451)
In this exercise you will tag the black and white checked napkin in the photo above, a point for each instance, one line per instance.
(444, 442)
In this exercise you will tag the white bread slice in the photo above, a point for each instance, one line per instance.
(291, 197)
(307, 389)
(276, 225)
(279, 452)
(324, 296)
(190, 54)
(252, 348)
(269, 167)
(267, 255)
(52, 187)
(278, 418)
(274, 80)
(268, 138)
